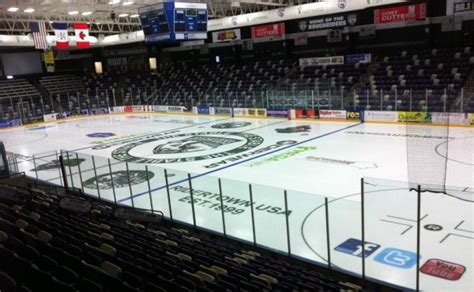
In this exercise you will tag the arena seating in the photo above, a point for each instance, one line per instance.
(19, 98)
(428, 78)
(44, 247)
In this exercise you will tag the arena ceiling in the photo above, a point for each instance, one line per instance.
(111, 16)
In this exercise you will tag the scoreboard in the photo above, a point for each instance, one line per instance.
(174, 21)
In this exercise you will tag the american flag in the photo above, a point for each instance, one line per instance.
(39, 35)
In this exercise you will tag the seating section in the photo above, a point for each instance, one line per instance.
(417, 80)
(46, 248)
(19, 98)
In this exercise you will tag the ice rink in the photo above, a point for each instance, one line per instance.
(257, 160)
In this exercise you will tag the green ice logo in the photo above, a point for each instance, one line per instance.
(282, 156)
(185, 147)
(231, 125)
(72, 162)
(118, 179)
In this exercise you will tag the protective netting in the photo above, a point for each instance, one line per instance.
(440, 156)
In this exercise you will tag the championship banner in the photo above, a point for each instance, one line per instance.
(82, 35)
(48, 57)
(226, 35)
(400, 13)
(322, 61)
(329, 22)
(61, 36)
(276, 31)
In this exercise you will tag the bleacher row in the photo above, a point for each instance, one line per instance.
(44, 247)
(417, 80)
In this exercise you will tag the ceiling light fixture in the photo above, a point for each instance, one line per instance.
(29, 10)
(123, 15)
(86, 13)
(114, 1)
(134, 15)
(13, 9)
(127, 3)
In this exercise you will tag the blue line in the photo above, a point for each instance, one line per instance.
(239, 162)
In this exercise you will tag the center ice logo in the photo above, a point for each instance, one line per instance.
(187, 147)
(193, 144)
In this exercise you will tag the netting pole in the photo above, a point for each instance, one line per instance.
(418, 233)
(222, 208)
(111, 182)
(287, 223)
(129, 184)
(192, 200)
(253, 218)
(95, 175)
(168, 194)
(149, 189)
(362, 216)
(328, 241)
(80, 172)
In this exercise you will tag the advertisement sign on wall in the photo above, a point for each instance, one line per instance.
(301, 39)
(322, 61)
(275, 31)
(226, 35)
(400, 13)
(328, 22)
(332, 114)
(414, 117)
(359, 58)
(380, 116)
(459, 6)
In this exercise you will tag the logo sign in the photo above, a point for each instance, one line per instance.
(359, 58)
(400, 14)
(226, 35)
(443, 269)
(341, 4)
(187, 147)
(354, 247)
(269, 31)
(100, 135)
(203, 110)
(231, 125)
(433, 227)
(398, 258)
(118, 179)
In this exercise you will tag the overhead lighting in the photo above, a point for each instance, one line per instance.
(73, 12)
(86, 13)
(123, 15)
(13, 9)
(29, 10)
(134, 15)
(114, 1)
(9, 77)
(127, 3)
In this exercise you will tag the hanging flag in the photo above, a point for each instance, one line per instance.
(82, 35)
(48, 57)
(38, 29)
(62, 38)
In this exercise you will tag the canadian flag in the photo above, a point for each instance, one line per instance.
(62, 38)
(82, 35)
